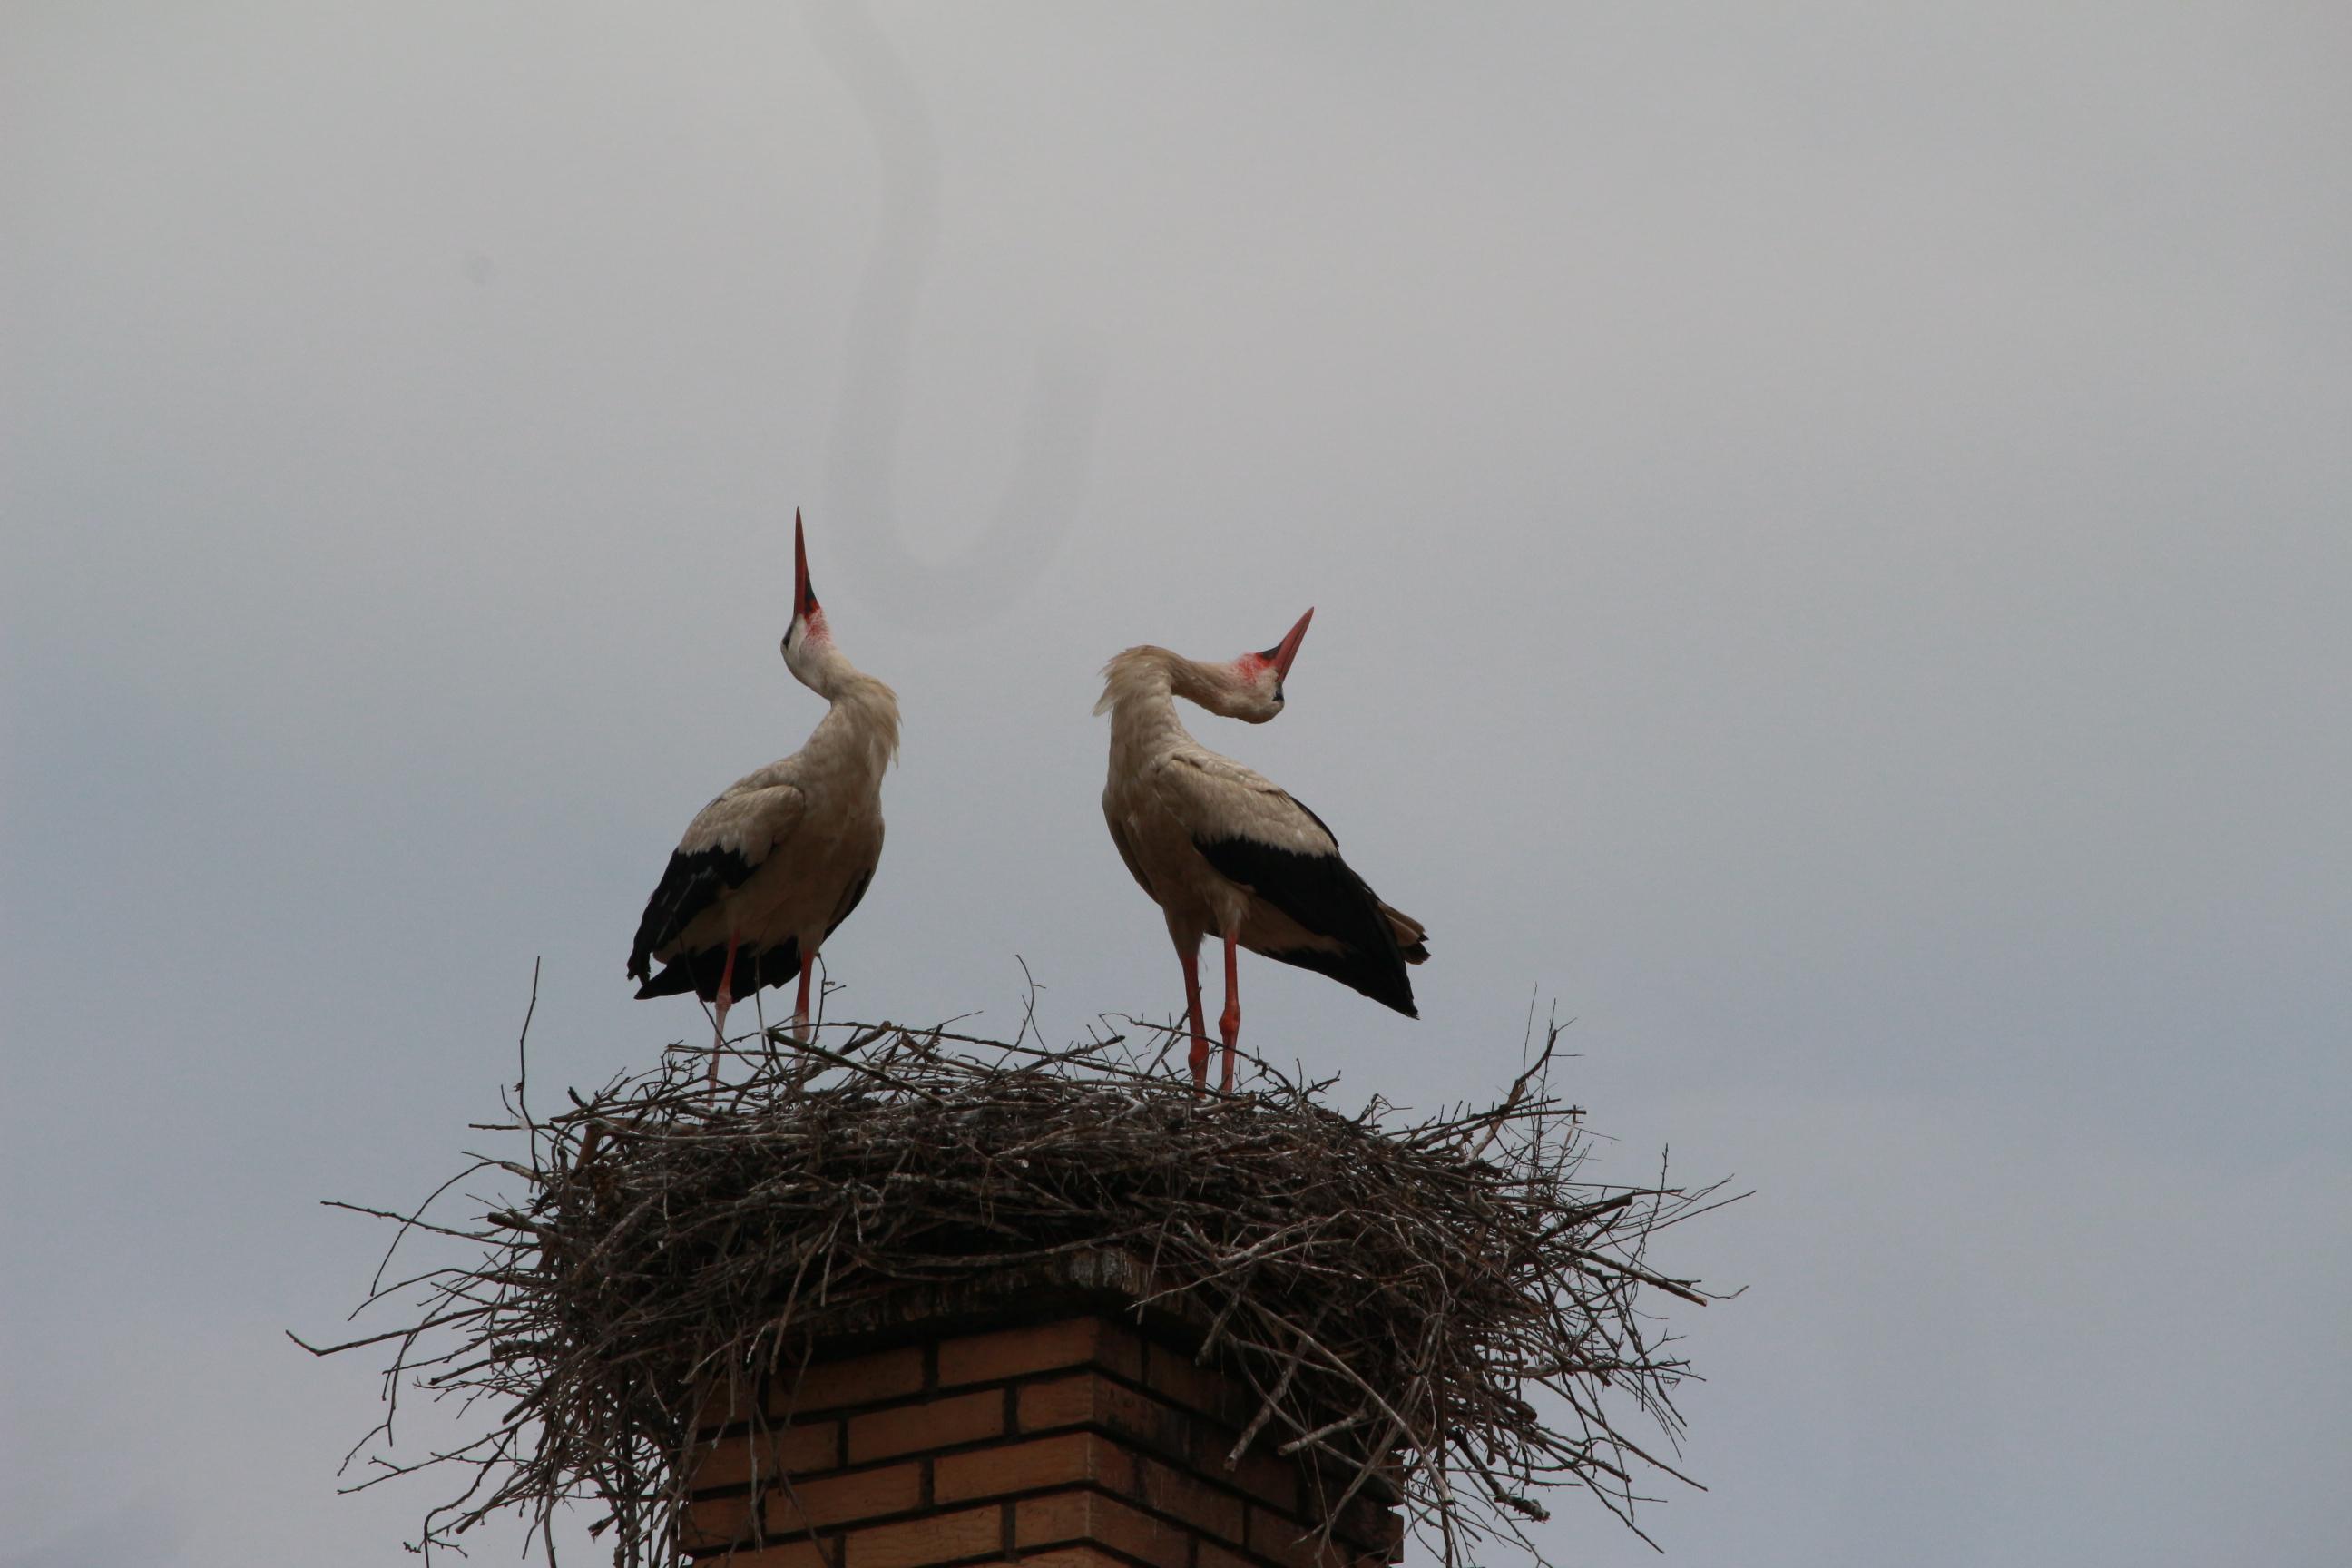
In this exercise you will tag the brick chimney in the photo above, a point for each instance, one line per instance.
(1051, 1430)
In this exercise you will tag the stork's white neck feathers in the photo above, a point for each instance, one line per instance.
(1140, 691)
(862, 725)
(1140, 686)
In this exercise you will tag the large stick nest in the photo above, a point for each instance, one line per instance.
(1444, 1303)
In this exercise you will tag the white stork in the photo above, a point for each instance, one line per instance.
(1224, 852)
(765, 872)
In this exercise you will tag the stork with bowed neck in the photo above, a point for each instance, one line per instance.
(1226, 853)
(767, 871)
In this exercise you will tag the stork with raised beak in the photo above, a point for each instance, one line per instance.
(1224, 853)
(766, 872)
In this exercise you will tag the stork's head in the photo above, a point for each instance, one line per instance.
(1255, 694)
(808, 638)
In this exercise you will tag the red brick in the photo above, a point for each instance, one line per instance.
(1025, 1467)
(1267, 1476)
(1295, 1545)
(1191, 1499)
(1212, 1555)
(1202, 1388)
(1070, 1557)
(726, 1405)
(1091, 1517)
(1011, 1352)
(793, 1450)
(843, 1500)
(915, 1542)
(719, 1521)
(1273, 1535)
(934, 1423)
(1366, 1524)
(1050, 1520)
(1090, 1401)
(858, 1380)
(1261, 1471)
(1064, 1402)
(1371, 1527)
(792, 1554)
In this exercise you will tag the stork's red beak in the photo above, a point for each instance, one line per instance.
(803, 596)
(1287, 649)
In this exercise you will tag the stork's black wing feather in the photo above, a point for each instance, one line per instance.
(1322, 893)
(692, 880)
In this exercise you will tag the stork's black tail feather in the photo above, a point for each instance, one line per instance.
(1377, 974)
(699, 971)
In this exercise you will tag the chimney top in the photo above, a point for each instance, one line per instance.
(1050, 1425)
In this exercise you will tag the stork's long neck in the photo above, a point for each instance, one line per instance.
(1140, 691)
(861, 729)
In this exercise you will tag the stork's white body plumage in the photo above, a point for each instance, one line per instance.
(765, 872)
(1226, 853)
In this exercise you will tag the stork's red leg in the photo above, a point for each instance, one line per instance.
(1231, 1024)
(800, 1021)
(1190, 959)
(724, 1000)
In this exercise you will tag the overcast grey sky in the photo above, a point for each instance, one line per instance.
(1829, 526)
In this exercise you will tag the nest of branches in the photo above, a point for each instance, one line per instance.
(1439, 1309)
